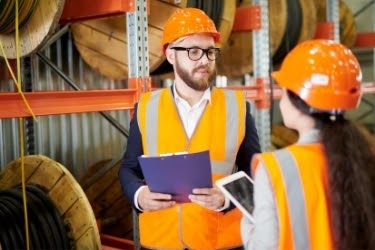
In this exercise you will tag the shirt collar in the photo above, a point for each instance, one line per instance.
(310, 136)
(205, 97)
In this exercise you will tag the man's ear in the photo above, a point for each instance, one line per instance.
(169, 53)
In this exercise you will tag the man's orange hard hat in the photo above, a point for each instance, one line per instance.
(188, 21)
(323, 73)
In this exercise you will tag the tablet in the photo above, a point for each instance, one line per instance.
(238, 187)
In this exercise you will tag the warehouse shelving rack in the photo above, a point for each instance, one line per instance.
(139, 81)
(50, 103)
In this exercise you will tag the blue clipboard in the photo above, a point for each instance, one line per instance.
(177, 174)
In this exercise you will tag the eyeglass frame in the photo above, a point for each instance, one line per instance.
(204, 51)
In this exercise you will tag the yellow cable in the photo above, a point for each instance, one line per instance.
(21, 132)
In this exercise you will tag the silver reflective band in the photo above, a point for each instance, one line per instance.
(295, 199)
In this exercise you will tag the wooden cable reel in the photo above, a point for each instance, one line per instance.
(237, 55)
(103, 189)
(102, 42)
(41, 24)
(63, 191)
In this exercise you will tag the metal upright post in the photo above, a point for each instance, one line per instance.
(333, 16)
(137, 37)
(261, 62)
(138, 67)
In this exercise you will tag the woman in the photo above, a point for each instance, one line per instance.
(319, 192)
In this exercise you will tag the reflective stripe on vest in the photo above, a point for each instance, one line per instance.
(231, 133)
(231, 127)
(151, 127)
(295, 197)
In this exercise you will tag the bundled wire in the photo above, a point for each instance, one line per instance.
(46, 227)
(7, 14)
(212, 8)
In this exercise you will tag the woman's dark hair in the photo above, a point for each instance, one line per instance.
(351, 175)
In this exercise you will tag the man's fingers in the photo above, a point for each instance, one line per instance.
(149, 201)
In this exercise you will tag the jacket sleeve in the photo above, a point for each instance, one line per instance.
(130, 173)
(250, 144)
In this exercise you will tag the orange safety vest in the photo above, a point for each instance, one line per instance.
(221, 129)
(299, 181)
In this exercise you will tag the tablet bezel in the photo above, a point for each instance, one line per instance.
(221, 184)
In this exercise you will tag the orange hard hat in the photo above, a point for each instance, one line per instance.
(323, 73)
(188, 21)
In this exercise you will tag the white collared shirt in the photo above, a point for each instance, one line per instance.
(190, 115)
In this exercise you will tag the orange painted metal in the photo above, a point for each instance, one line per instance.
(247, 18)
(251, 92)
(111, 242)
(260, 93)
(264, 93)
(80, 10)
(64, 102)
(141, 84)
(365, 40)
(324, 30)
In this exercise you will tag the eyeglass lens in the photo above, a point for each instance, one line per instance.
(197, 53)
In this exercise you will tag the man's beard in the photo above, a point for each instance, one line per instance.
(200, 84)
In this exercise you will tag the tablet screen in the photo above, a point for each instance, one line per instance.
(242, 190)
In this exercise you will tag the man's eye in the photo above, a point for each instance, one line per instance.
(194, 51)
(211, 52)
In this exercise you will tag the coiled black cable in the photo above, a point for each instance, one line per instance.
(46, 226)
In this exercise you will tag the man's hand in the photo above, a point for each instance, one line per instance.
(210, 198)
(149, 201)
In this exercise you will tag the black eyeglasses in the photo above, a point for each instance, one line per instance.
(196, 53)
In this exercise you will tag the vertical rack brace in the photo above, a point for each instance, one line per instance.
(261, 62)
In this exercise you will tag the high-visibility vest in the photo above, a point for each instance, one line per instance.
(220, 130)
(298, 176)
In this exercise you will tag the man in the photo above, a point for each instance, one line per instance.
(190, 116)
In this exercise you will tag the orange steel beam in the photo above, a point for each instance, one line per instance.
(247, 18)
(324, 30)
(256, 92)
(365, 39)
(112, 242)
(64, 102)
(79, 10)
(141, 84)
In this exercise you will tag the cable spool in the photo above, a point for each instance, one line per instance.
(290, 22)
(37, 21)
(237, 54)
(7, 8)
(47, 230)
(102, 42)
(59, 211)
(103, 189)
